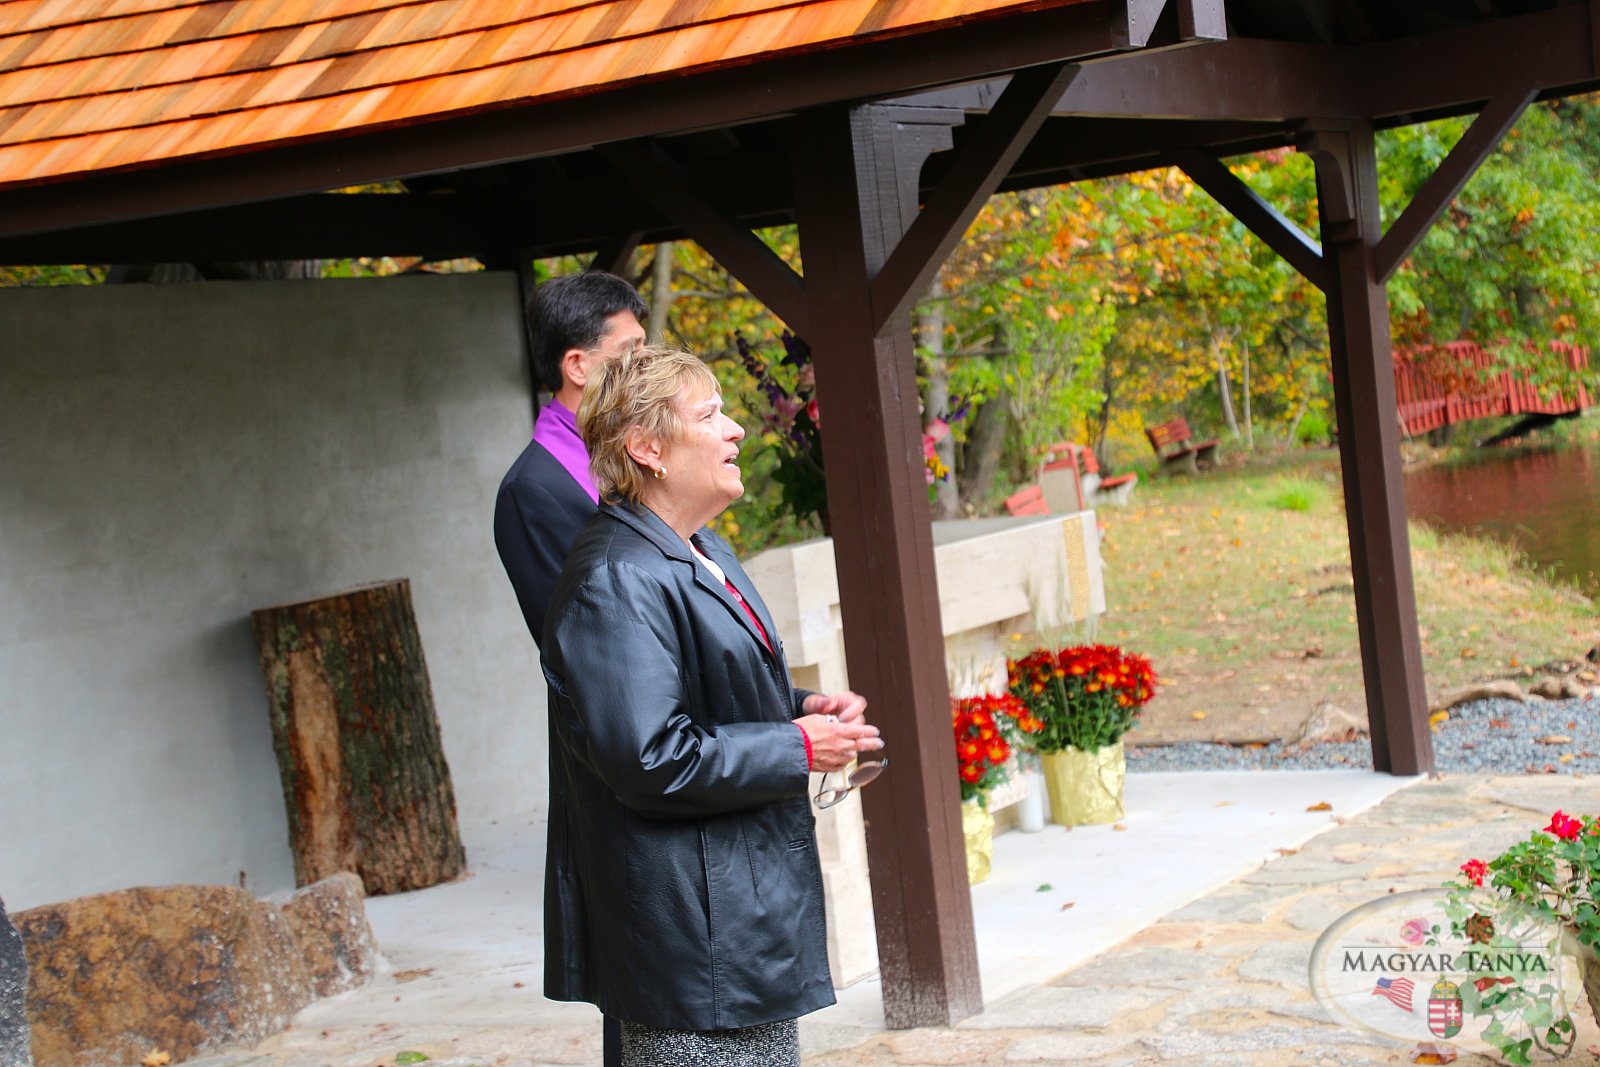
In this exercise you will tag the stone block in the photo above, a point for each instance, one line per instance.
(1156, 967)
(185, 969)
(13, 995)
(328, 923)
(1064, 1008)
(1283, 963)
(945, 1048)
(179, 968)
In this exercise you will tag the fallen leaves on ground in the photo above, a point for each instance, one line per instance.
(412, 974)
(1321, 806)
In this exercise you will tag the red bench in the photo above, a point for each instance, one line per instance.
(1187, 454)
(1075, 466)
(1029, 501)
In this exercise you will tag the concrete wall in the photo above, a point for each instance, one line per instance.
(172, 457)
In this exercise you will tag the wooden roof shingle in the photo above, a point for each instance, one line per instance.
(90, 85)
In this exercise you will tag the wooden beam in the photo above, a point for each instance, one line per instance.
(1450, 72)
(972, 178)
(1262, 219)
(1446, 182)
(661, 180)
(1369, 453)
(888, 590)
(1454, 71)
(614, 255)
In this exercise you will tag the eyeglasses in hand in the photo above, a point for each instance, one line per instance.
(856, 777)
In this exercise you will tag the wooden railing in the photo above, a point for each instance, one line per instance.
(1443, 384)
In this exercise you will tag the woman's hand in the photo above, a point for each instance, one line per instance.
(837, 726)
(848, 706)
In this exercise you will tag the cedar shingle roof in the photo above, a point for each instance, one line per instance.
(90, 85)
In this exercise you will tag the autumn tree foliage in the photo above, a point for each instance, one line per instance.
(1086, 312)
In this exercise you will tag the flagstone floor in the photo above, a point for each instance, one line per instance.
(1219, 976)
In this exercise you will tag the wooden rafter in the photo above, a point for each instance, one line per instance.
(1262, 219)
(1446, 182)
(980, 165)
(661, 180)
(613, 256)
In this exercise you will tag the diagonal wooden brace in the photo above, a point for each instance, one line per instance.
(1446, 183)
(972, 178)
(659, 179)
(1263, 220)
(613, 256)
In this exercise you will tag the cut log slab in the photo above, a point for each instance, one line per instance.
(14, 1041)
(365, 780)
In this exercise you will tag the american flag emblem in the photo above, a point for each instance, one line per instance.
(1398, 990)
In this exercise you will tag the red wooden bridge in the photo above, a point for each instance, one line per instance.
(1444, 384)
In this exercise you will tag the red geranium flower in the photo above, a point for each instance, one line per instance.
(1475, 870)
(1564, 826)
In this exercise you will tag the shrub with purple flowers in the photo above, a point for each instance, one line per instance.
(792, 423)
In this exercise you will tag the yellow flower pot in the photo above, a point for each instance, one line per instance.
(1085, 787)
(977, 827)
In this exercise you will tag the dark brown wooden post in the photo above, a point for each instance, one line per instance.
(1369, 447)
(851, 215)
(365, 780)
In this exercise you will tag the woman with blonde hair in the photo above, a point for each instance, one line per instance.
(683, 889)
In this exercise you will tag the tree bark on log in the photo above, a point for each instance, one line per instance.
(365, 780)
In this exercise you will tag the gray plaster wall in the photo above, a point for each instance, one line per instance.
(172, 457)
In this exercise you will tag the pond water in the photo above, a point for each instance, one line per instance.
(1545, 500)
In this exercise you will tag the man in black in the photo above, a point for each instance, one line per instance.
(547, 497)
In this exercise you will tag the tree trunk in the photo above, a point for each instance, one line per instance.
(1249, 421)
(1224, 386)
(1306, 385)
(982, 454)
(930, 327)
(1101, 428)
(365, 780)
(660, 293)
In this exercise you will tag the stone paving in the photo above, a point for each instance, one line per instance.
(1220, 981)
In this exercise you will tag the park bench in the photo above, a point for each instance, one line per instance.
(1029, 501)
(1186, 455)
(1072, 480)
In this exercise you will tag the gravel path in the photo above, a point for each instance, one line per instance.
(1485, 737)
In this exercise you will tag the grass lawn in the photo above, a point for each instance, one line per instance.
(1237, 584)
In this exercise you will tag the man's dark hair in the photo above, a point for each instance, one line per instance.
(571, 312)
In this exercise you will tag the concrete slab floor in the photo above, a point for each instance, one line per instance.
(463, 966)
